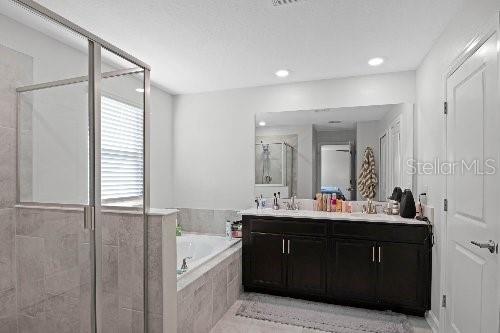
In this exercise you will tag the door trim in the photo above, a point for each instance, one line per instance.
(492, 27)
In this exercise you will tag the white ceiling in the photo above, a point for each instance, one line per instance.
(206, 45)
(347, 116)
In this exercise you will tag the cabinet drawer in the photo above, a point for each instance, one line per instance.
(293, 227)
(380, 231)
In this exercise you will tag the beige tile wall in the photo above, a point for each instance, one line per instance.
(53, 272)
(16, 70)
(203, 301)
(206, 221)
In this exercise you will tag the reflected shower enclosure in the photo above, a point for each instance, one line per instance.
(274, 168)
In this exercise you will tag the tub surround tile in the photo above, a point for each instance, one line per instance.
(204, 295)
(220, 287)
(206, 221)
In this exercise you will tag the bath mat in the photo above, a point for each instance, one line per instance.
(320, 316)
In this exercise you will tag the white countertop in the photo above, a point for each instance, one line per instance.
(309, 214)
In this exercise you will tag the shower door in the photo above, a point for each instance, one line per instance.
(80, 224)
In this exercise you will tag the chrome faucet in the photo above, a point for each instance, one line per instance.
(292, 205)
(184, 266)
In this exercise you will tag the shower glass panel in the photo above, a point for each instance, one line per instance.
(53, 154)
(122, 190)
(47, 68)
(78, 111)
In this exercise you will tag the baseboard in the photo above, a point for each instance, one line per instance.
(432, 321)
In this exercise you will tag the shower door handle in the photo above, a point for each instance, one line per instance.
(88, 218)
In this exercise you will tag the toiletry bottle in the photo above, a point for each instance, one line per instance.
(338, 208)
(333, 202)
(319, 202)
(328, 206)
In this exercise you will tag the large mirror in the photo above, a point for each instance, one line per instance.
(301, 153)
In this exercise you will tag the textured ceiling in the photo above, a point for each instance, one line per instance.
(205, 45)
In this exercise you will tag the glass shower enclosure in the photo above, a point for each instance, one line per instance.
(82, 176)
(274, 169)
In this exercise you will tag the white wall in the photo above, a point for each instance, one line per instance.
(214, 132)
(430, 83)
(59, 150)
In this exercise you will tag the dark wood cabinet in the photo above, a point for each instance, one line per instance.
(306, 264)
(379, 265)
(267, 260)
(354, 270)
(400, 273)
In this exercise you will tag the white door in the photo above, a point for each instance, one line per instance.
(395, 154)
(384, 169)
(473, 127)
(336, 167)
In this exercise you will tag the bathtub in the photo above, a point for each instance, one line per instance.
(200, 248)
(212, 283)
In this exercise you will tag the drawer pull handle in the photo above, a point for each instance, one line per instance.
(379, 254)
(283, 247)
(373, 253)
(288, 246)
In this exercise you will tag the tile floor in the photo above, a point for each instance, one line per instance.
(230, 323)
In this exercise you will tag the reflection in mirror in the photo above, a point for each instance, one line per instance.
(309, 151)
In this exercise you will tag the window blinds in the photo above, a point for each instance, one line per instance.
(121, 150)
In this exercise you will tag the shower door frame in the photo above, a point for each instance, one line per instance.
(95, 46)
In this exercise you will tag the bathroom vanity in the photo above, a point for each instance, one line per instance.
(376, 261)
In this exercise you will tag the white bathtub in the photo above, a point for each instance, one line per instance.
(200, 248)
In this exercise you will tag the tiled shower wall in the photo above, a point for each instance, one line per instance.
(16, 70)
(53, 274)
(206, 221)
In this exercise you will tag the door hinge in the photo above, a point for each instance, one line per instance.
(445, 205)
(445, 107)
(443, 301)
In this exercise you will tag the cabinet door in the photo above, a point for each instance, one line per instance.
(354, 272)
(401, 276)
(306, 264)
(267, 260)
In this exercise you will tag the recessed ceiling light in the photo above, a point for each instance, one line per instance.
(140, 90)
(262, 123)
(376, 61)
(282, 73)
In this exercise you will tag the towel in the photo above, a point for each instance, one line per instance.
(367, 181)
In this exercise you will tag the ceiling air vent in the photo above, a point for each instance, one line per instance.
(285, 2)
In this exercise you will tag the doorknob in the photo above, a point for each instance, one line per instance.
(490, 245)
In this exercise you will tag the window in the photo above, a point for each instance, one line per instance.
(121, 151)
